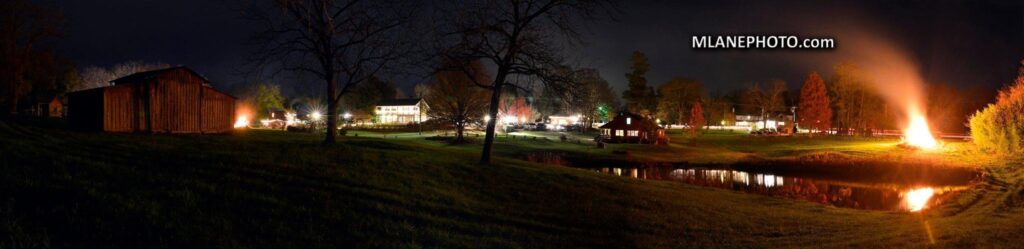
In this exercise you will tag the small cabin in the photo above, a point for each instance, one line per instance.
(45, 106)
(632, 128)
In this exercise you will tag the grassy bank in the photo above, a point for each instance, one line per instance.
(284, 190)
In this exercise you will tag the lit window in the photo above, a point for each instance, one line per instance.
(618, 133)
(633, 133)
(629, 121)
(606, 132)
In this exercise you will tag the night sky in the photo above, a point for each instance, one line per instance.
(976, 43)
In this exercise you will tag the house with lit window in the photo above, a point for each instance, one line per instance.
(632, 128)
(401, 111)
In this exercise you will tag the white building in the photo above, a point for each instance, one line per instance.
(401, 111)
(755, 122)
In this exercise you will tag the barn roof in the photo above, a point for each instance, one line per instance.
(398, 102)
(147, 75)
(637, 122)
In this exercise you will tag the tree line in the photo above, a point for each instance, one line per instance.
(847, 103)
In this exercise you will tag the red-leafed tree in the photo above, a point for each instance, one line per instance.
(814, 111)
(518, 109)
(696, 119)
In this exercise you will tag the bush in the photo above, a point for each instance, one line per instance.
(999, 128)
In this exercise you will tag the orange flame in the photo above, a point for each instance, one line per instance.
(918, 134)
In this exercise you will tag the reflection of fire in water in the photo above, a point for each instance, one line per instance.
(870, 195)
(917, 199)
(917, 133)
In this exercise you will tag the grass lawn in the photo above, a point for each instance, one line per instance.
(283, 190)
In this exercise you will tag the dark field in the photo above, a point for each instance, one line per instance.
(271, 189)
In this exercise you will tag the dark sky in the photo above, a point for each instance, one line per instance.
(969, 43)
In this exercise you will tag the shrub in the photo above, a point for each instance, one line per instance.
(999, 128)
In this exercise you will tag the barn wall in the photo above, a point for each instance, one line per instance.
(218, 111)
(120, 111)
(176, 102)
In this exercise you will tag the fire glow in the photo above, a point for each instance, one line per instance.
(242, 115)
(242, 121)
(917, 133)
(917, 199)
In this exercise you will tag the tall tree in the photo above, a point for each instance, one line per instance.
(25, 29)
(268, 97)
(676, 98)
(549, 103)
(718, 110)
(637, 91)
(856, 106)
(594, 97)
(516, 37)
(365, 97)
(343, 43)
(696, 122)
(814, 111)
(454, 99)
(766, 100)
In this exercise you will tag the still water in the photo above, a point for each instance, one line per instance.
(848, 194)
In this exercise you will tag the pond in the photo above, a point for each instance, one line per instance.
(912, 193)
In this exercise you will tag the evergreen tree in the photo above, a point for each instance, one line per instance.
(814, 111)
(637, 91)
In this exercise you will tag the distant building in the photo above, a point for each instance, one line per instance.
(401, 111)
(756, 122)
(172, 100)
(46, 105)
(631, 128)
(563, 120)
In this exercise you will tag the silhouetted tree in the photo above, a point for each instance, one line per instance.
(341, 42)
(455, 99)
(518, 38)
(365, 97)
(25, 29)
(636, 89)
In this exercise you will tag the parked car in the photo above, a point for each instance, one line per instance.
(540, 127)
(765, 132)
(573, 127)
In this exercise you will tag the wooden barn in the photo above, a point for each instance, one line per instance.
(173, 100)
(631, 128)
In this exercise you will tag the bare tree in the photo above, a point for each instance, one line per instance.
(25, 27)
(454, 99)
(343, 43)
(518, 37)
(772, 99)
(93, 77)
